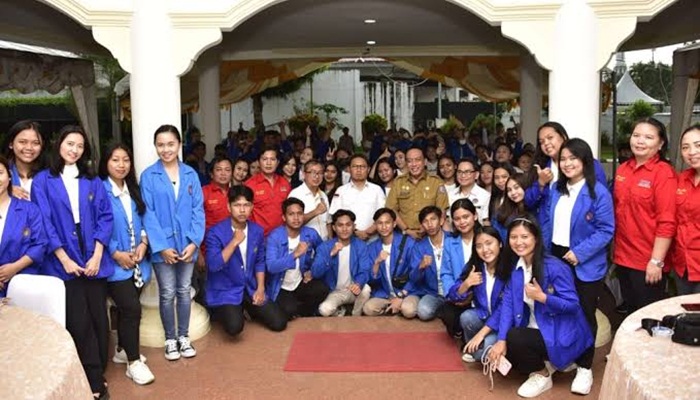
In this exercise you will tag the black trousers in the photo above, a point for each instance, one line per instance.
(126, 298)
(231, 316)
(86, 321)
(304, 300)
(526, 349)
(449, 314)
(588, 295)
(635, 291)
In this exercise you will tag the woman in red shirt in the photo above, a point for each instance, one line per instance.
(686, 249)
(645, 215)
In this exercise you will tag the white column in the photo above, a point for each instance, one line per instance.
(531, 78)
(155, 85)
(574, 83)
(209, 110)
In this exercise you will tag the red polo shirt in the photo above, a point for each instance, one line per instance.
(267, 200)
(645, 208)
(215, 204)
(686, 247)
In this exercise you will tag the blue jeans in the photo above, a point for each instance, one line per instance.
(472, 324)
(686, 287)
(174, 279)
(428, 306)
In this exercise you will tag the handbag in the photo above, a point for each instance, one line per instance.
(686, 327)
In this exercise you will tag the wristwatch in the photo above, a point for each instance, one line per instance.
(657, 262)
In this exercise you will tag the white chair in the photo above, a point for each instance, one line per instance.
(42, 294)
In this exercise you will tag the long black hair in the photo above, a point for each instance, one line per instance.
(508, 257)
(581, 150)
(40, 161)
(497, 195)
(542, 159)
(129, 180)
(475, 260)
(509, 207)
(660, 130)
(57, 163)
(463, 204)
(6, 164)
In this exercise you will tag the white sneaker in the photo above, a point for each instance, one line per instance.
(139, 373)
(468, 358)
(186, 348)
(171, 351)
(120, 356)
(340, 312)
(535, 385)
(570, 367)
(582, 382)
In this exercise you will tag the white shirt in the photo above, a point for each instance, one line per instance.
(243, 247)
(431, 167)
(555, 174)
(125, 198)
(69, 177)
(26, 184)
(311, 201)
(478, 195)
(292, 277)
(363, 200)
(561, 232)
(387, 264)
(344, 277)
(3, 218)
(467, 250)
(451, 187)
(527, 277)
(490, 282)
(437, 253)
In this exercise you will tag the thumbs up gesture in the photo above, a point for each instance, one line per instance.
(474, 278)
(544, 176)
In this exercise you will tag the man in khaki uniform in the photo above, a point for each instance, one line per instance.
(413, 191)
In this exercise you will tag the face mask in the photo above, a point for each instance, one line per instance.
(462, 141)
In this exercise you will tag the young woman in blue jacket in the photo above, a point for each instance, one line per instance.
(542, 325)
(482, 279)
(23, 148)
(458, 251)
(126, 252)
(174, 222)
(78, 222)
(580, 226)
(22, 239)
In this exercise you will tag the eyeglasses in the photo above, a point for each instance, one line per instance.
(467, 172)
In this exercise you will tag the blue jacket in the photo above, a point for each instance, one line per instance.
(227, 281)
(539, 199)
(170, 223)
(560, 319)
(481, 301)
(454, 261)
(325, 267)
(279, 257)
(425, 281)
(397, 266)
(121, 239)
(592, 228)
(96, 222)
(23, 235)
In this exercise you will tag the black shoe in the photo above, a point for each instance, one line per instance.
(622, 308)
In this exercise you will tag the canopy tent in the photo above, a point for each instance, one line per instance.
(628, 92)
(30, 72)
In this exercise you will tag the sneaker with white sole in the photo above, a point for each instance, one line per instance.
(139, 373)
(535, 385)
(120, 356)
(468, 358)
(186, 348)
(582, 382)
(171, 351)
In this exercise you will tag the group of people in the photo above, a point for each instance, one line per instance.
(511, 258)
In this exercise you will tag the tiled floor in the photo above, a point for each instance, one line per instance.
(251, 367)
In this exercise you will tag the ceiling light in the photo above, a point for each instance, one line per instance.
(370, 21)
(371, 42)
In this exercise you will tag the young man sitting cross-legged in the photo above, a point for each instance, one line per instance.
(236, 268)
(342, 263)
(289, 253)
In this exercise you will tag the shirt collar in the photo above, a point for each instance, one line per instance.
(115, 188)
(352, 184)
(576, 187)
(521, 265)
(70, 171)
(648, 165)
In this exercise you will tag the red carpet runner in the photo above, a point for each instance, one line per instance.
(373, 352)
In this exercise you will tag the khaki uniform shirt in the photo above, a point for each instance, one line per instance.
(407, 198)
